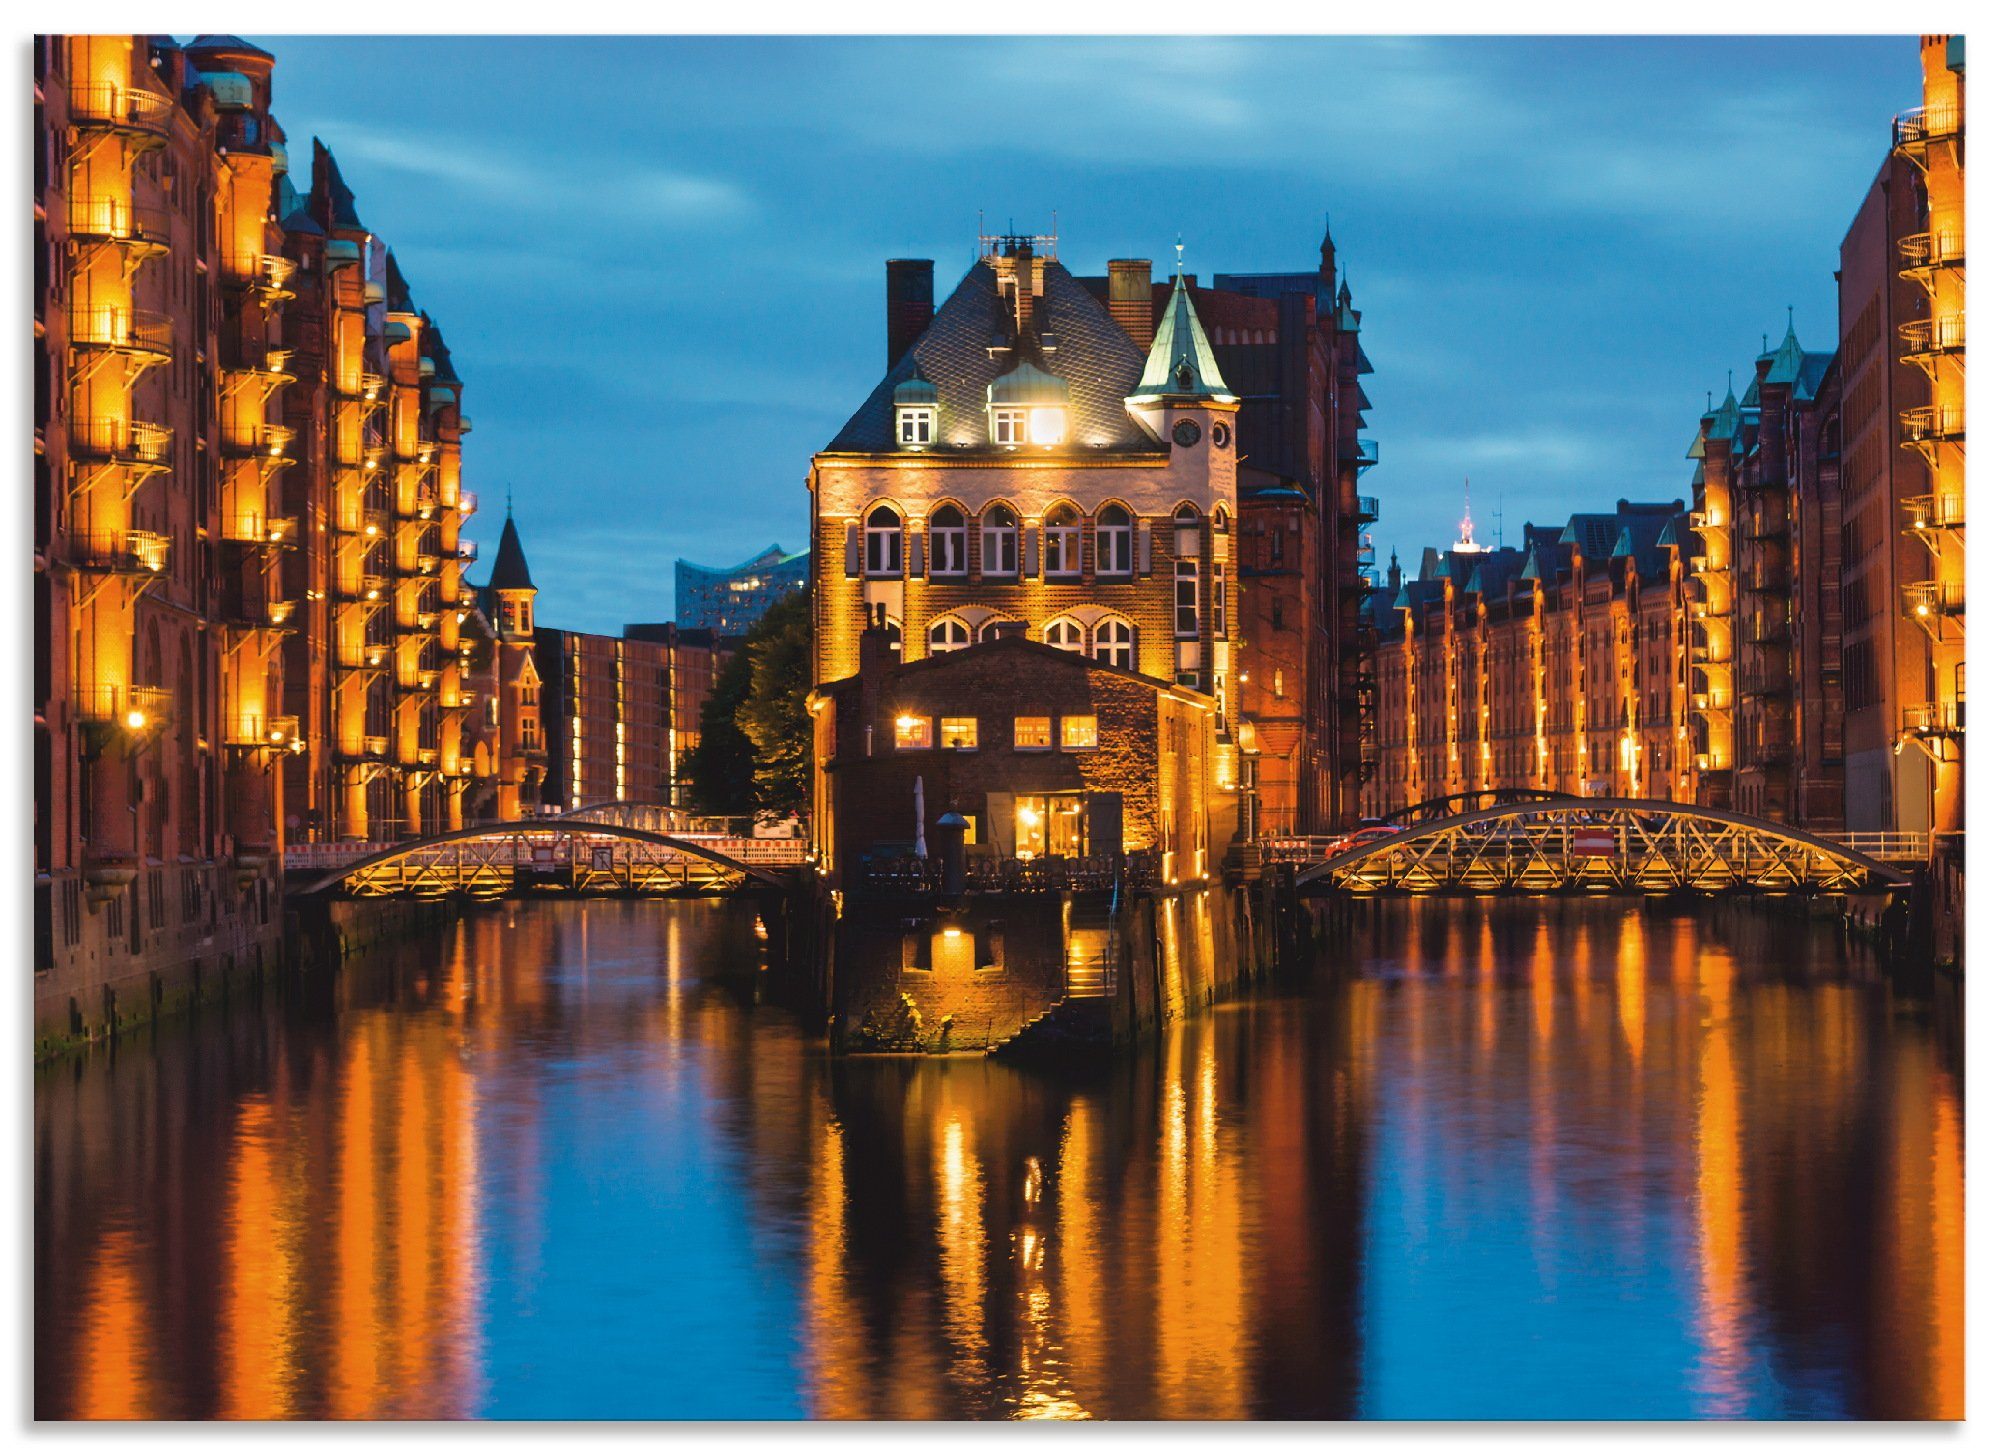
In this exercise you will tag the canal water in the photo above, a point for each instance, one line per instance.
(1578, 1159)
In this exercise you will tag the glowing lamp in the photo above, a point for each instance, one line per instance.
(135, 719)
(906, 722)
(953, 932)
(1047, 425)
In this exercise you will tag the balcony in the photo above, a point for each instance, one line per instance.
(266, 441)
(370, 749)
(122, 442)
(1935, 719)
(1712, 701)
(468, 502)
(360, 656)
(468, 552)
(144, 229)
(261, 530)
(138, 711)
(1367, 509)
(422, 505)
(119, 552)
(115, 328)
(265, 274)
(110, 107)
(1918, 127)
(428, 564)
(1928, 338)
(367, 521)
(262, 613)
(1932, 424)
(365, 587)
(255, 730)
(1928, 603)
(1367, 454)
(1935, 512)
(1924, 252)
(417, 679)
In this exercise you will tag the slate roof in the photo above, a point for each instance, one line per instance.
(1092, 355)
(510, 563)
(332, 192)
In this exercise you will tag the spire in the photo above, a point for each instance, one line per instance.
(331, 192)
(510, 563)
(1326, 253)
(1181, 363)
(1789, 359)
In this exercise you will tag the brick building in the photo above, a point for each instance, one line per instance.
(1902, 407)
(1562, 664)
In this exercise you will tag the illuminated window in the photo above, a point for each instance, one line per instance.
(1031, 734)
(915, 424)
(1010, 426)
(1079, 732)
(1047, 424)
(1000, 542)
(913, 732)
(959, 732)
(1113, 643)
(1278, 683)
(1114, 541)
(1065, 634)
(948, 541)
(885, 542)
(1064, 530)
(948, 634)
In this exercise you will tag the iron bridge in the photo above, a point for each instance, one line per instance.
(581, 858)
(1548, 845)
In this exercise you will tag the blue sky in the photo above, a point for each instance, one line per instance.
(659, 261)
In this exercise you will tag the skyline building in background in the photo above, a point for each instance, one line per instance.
(729, 600)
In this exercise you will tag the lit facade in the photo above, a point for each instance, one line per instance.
(1902, 315)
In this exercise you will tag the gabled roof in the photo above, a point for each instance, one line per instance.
(971, 342)
(331, 192)
(1181, 365)
(510, 562)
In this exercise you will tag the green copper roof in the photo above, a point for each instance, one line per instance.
(1788, 359)
(1181, 363)
(1026, 384)
(916, 390)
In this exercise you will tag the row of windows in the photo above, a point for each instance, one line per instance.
(1031, 734)
(1000, 540)
(1112, 641)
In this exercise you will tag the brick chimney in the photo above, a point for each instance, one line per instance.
(1131, 298)
(911, 303)
(1010, 630)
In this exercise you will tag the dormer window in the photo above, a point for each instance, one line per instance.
(1048, 425)
(916, 401)
(1028, 406)
(1010, 426)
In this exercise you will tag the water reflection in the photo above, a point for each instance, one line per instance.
(1534, 1159)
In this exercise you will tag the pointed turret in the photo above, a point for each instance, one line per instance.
(1788, 359)
(510, 590)
(510, 562)
(1326, 252)
(1181, 364)
(332, 193)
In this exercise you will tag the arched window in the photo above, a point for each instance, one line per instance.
(1064, 529)
(1187, 532)
(1064, 633)
(989, 629)
(1000, 542)
(1114, 541)
(895, 629)
(885, 542)
(948, 541)
(1221, 520)
(948, 634)
(1114, 644)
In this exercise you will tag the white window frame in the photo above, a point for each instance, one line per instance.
(1079, 720)
(1062, 627)
(916, 424)
(947, 634)
(1105, 647)
(1114, 542)
(1000, 545)
(920, 732)
(968, 734)
(1187, 598)
(1047, 734)
(882, 545)
(1010, 425)
(1063, 528)
(948, 544)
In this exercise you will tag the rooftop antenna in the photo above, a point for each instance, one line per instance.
(510, 500)
(1179, 248)
(1500, 519)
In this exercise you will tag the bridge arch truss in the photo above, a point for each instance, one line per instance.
(574, 858)
(1633, 845)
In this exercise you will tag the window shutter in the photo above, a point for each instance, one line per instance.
(1031, 558)
(1144, 532)
(916, 555)
(854, 550)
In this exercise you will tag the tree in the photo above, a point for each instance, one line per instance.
(755, 753)
(720, 777)
(774, 716)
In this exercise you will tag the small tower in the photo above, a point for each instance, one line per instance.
(512, 588)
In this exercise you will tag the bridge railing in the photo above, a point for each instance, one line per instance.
(1890, 848)
(904, 874)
